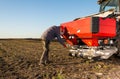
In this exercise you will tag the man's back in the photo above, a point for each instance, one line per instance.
(51, 33)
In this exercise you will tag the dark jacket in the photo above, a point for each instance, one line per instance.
(51, 33)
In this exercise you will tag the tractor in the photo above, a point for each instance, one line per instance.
(97, 35)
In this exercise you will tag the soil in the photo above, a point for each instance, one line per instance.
(19, 59)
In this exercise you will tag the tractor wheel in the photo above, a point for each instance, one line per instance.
(118, 39)
(118, 46)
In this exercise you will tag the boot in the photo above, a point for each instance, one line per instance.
(44, 62)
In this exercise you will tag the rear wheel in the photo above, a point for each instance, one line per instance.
(118, 38)
(118, 46)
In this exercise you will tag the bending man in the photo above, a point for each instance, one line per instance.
(47, 37)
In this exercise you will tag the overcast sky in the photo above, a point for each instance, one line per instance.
(29, 18)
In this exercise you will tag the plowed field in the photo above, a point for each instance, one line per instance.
(19, 60)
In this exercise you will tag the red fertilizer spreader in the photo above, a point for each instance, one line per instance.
(90, 37)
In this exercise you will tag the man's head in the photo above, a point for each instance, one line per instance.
(62, 30)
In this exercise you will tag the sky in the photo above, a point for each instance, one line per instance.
(30, 18)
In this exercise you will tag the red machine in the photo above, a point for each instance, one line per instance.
(89, 30)
(96, 35)
(90, 37)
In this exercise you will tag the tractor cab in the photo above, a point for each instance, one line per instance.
(109, 5)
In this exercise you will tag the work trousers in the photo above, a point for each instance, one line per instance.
(45, 53)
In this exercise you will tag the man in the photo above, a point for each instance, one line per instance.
(47, 37)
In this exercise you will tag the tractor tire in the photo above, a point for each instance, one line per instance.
(118, 39)
(118, 46)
